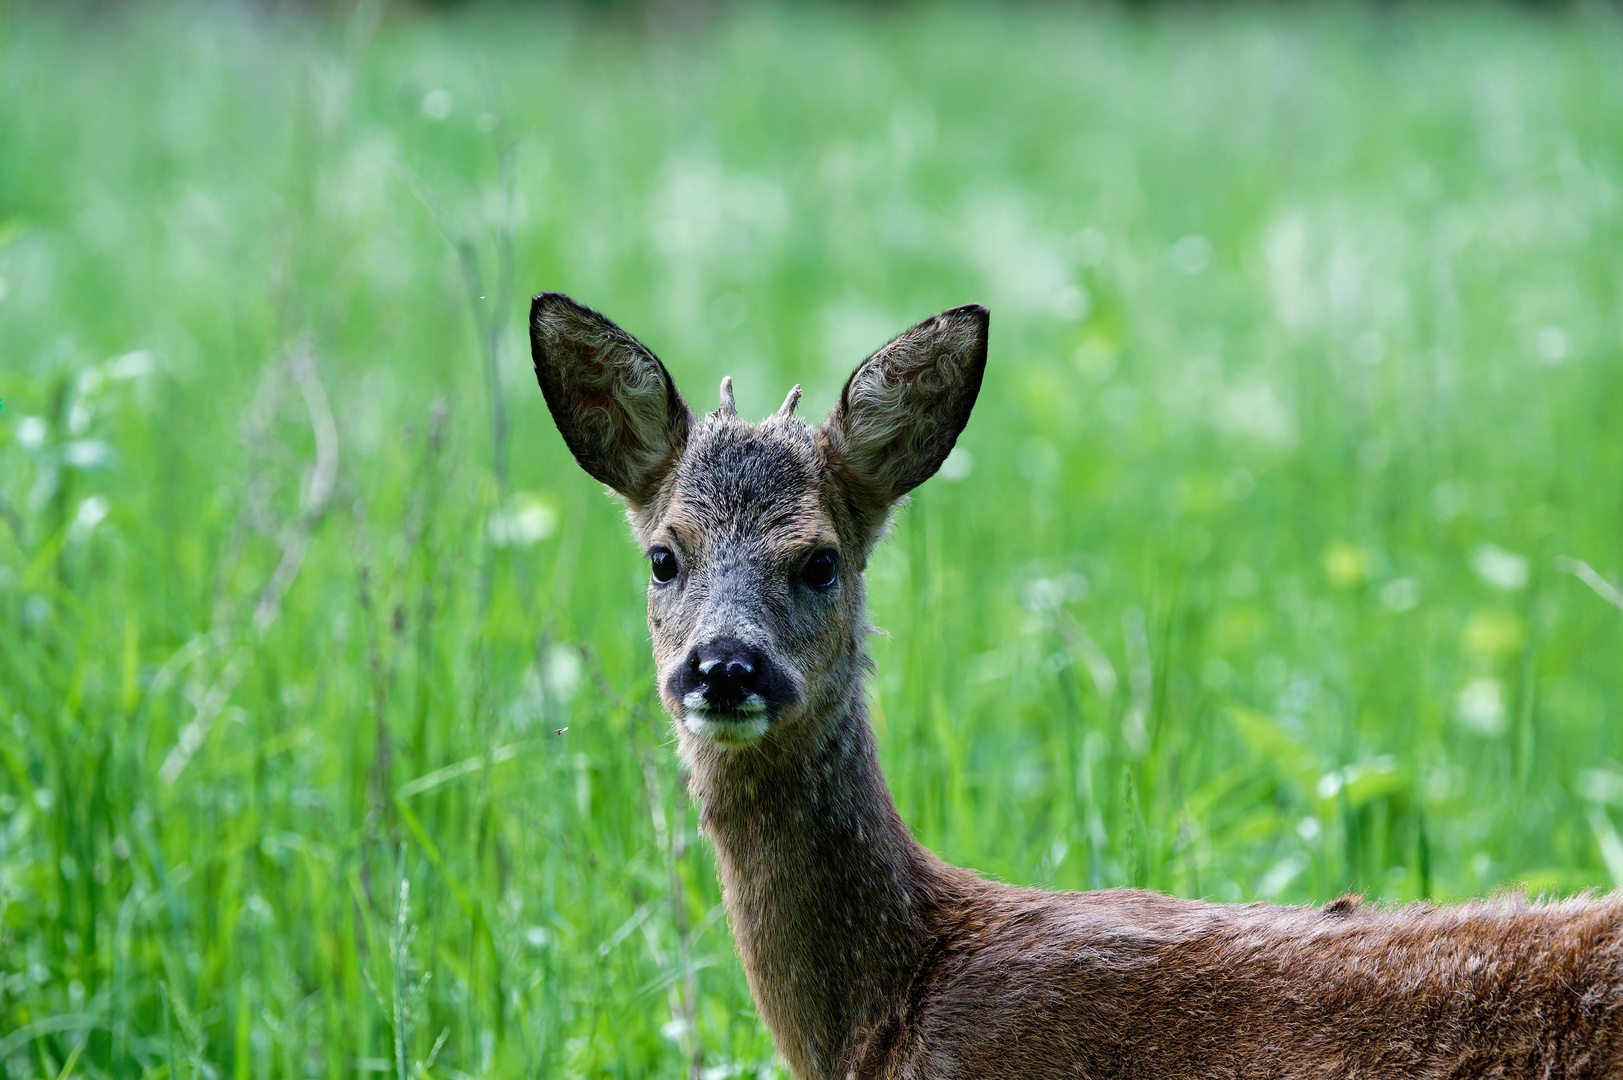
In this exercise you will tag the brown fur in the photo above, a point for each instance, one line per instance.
(868, 956)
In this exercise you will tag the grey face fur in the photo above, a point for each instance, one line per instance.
(757, 534)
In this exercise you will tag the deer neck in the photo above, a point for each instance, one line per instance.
(832, 901)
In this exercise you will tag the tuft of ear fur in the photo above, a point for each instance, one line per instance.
(904, 407)
(613, 401)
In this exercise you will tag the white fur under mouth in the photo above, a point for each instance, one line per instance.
(739, 727)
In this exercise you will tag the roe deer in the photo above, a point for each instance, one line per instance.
(867, 955)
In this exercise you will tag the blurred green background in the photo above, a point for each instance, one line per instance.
(1277, 561)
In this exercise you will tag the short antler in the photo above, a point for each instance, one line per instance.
(729, 407)
(789, 403)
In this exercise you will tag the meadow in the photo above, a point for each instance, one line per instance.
(1278, 559)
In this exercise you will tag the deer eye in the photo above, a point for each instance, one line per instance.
(821, 569)
(663, 561)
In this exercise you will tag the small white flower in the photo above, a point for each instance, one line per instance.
(91, 513)
(1071, 303)
(1280, 875)
(1480, 706)
(437, 104)
(87, 453)
(1601, 785)
(1551, 344)
(1400, 594)
(525, 520)
(1192, 254)
(30, 432)
(1500, 568)
(563, 672)
(1050, 594)
(959, 464)
(132, 365)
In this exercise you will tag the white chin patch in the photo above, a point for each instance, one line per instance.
(728, 729)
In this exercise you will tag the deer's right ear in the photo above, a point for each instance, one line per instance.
(613, 401)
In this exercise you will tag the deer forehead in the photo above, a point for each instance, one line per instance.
(762, 488)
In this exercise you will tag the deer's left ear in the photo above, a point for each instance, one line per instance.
(904, 407)
(613, 401)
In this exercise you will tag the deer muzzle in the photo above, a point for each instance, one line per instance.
(729, 689)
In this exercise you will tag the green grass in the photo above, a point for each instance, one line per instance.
(1306, 373)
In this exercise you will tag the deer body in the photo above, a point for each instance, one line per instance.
(869, 957)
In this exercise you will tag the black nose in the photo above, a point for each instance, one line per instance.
(725, 670)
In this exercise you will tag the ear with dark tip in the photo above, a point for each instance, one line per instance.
(904, 407)
(613, 401)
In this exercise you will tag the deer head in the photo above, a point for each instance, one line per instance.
(757, 535)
